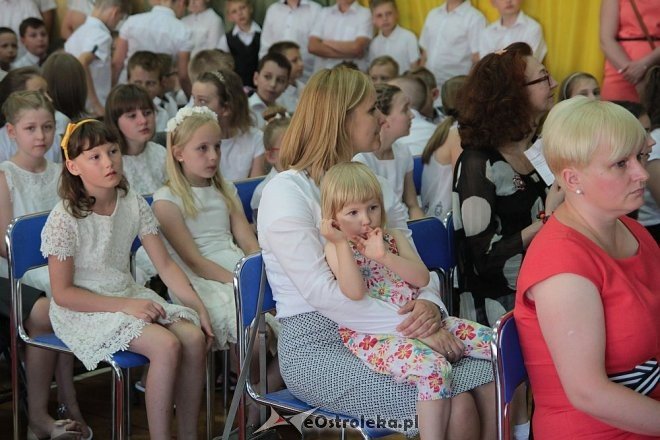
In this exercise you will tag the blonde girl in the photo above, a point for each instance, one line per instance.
(391, 161)
(28, 184)
(97, 307)
(368, 259)
(242, 148)
(440, 154)
(131, 115)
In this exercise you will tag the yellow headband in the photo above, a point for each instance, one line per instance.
(70, 128)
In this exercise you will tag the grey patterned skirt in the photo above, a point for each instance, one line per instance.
(318, 369)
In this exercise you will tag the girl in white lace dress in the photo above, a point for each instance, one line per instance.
(97, 307)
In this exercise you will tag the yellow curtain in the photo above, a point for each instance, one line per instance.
(570, 29)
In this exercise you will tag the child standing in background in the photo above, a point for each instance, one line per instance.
(34, 37)
(243, 41)
(205, 24)
(8, 50)
(242, 148)
(392, 39)
(450, 39)
(512, 26)
(270, 80)
(87, 239)
(91, 43)
(160, 31)
(291, 52)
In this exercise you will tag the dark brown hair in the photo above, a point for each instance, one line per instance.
(493, 105)
(72, 190)
(122, 99)
(15, 81)
(148, 61)
(67, 85)
(229, 88)
(384, 95)
(651, 96)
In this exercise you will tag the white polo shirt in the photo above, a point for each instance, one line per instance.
(94, 36)
(332, 24)
(450, 39)
(525, 29)
(401, 45)
(284, 23)
(206, 28)
(257, 107)
(26, 60)
(237, 154)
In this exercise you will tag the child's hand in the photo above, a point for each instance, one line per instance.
(144, 309)
(373, 246)
(205, 323)
(331, 232)
(445, 344)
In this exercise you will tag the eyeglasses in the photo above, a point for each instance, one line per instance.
(539, 80)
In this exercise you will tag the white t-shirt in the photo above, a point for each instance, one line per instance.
(332, 24)
(436, 190)
(84, 6)
(292, 249)
(45, 5)
(94, 36)
(283, 23)
(206, 28)
(259, 189)
(146, 171)
(421, 131)
(401, 45)
(394, 170)
(257, 106)
(526, 29)
(450, 39)
(237, 154)
(649, 212)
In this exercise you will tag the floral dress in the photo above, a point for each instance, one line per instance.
(405, 359)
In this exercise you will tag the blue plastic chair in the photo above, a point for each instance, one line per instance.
(23, 241)
(245, 190)
(508, 367)
(418, 167)
(250, 284)
(435, 247)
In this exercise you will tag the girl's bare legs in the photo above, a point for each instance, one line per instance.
(163, 349)
(66, 391)
(433, 418)
(464, 418)
(484, 397)
(191, 375)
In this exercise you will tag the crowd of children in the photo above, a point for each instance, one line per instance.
(169, 103)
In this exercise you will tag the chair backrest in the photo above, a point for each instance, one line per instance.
(418, 167)
(23, 240)
(245, 190)
(449, 225)
(247, 285)
(508, 366)
(432, 243)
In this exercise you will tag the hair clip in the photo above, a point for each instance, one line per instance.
(277, 115)
(185, 112)
(500, 52)
(70, 128)
(219, 75)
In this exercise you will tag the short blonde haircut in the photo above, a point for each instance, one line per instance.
(577, 127)
(349, 182)
(318, 135)
(177, 181)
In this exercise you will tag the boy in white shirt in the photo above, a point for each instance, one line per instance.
(291, 52)
(34, 38)
(91, 43)
(392, 39)
(512, 26)
(343, 33)
(421, 130)
(206, 26)
(8, 50)
(450, 39)
(291, 20)
(161, 31)
(270, 79)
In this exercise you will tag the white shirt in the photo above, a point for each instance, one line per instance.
(292, 249)
(259, 189)
(394, 170)
(157, 31)
(206, 28)
(257, 106)
(145, 172)
(450, 39)
(245, 37)
(436, 188)
(45, 5)
(13, 12)
(332, 24)
(649, 212)
(237, 154)
(165, 110)
(283, 23)
(401, 45)
(525, 28)
(94, 36)
(8, 146)
(84, 6)
(421, 131)
(26, 60)
(291, 95)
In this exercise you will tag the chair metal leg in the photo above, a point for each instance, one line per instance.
(127, 397)
(210, 394)
(225, 379)
(15, 383)
(118, 385)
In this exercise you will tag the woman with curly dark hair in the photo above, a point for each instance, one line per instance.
(499, 200)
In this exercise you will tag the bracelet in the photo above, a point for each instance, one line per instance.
(543, 217)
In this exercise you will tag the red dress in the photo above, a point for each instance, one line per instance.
(633, 42)
(630, 292)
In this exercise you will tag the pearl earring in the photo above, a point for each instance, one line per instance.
(578, 192)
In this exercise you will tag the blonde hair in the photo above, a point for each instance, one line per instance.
(177, 181)
(349, 182)
(577, 127)
(318, 136)
(23, 100)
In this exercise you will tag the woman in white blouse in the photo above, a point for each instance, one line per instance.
(336, 118)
